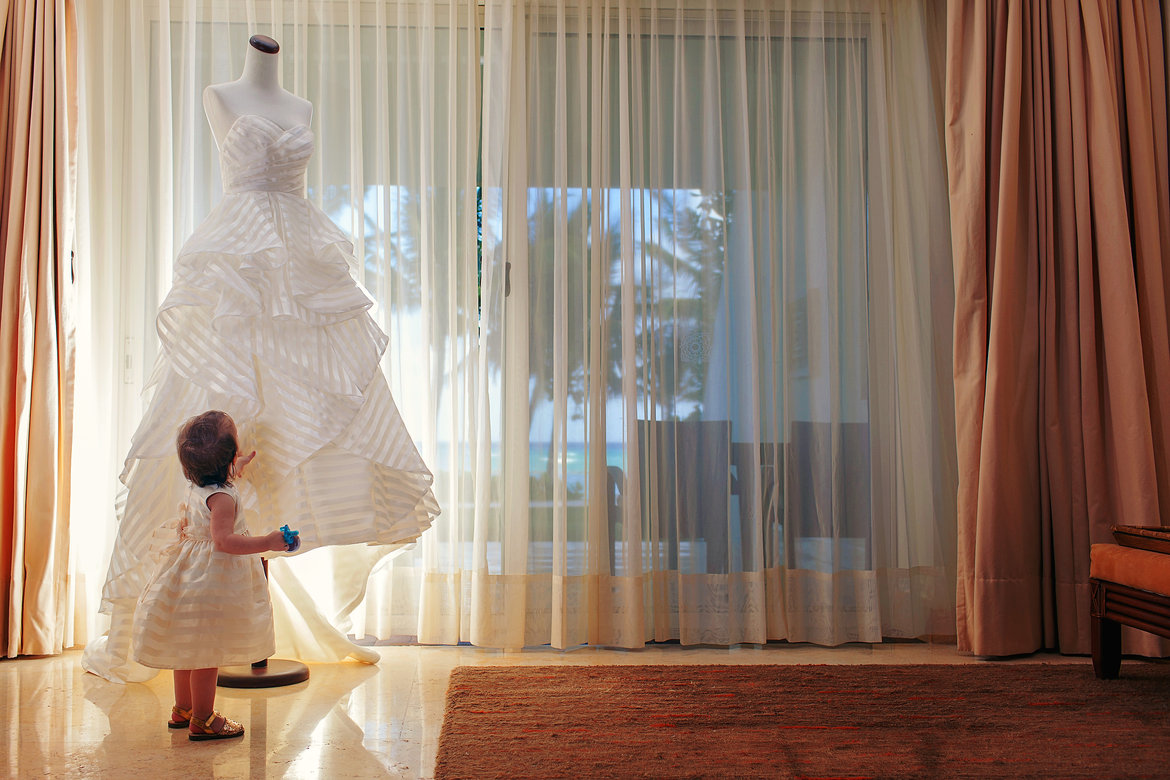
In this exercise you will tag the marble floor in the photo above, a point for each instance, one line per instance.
(349, 720)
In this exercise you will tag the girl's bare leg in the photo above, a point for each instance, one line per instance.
(183, 689)
(203, 691)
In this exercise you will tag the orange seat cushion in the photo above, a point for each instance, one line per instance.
(1141, 569)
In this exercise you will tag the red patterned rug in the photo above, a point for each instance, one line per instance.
(979, 720)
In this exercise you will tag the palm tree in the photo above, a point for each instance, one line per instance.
(677, 282)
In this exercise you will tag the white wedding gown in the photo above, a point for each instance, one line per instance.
(265, 322)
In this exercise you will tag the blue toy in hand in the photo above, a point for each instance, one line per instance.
(291, 538)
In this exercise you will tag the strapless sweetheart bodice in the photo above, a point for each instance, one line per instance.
(259, 155)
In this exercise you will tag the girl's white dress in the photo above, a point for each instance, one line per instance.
(202, 607)
(265, 321)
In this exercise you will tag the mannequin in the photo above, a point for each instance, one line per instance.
(257, 91)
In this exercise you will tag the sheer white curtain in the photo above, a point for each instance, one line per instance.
(667, 286)
(717, 315)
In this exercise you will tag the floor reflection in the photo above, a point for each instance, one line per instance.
(303, 730)
(349, 720)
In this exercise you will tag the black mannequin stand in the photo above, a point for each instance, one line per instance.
(269, 673)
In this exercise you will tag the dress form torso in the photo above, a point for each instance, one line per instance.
(257, 91)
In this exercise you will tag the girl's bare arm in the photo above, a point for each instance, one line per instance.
(223, 521)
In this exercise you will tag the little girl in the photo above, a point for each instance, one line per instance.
(207, 603)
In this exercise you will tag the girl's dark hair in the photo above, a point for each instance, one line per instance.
(207, 448)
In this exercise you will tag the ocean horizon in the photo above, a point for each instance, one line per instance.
(539, 452)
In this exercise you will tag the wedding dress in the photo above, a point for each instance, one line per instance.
(265, 322)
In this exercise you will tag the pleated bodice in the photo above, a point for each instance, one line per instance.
(259, 155)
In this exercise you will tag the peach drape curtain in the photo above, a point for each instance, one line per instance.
(37, 104)
(1056, 122)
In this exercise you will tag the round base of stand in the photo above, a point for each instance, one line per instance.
(270, 673)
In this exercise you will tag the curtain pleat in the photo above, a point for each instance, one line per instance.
(37, 136)
(1056, 146)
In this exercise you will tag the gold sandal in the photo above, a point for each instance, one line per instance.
(201, 728)
(180, 718)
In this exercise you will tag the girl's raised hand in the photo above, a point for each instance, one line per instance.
(240, 462)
